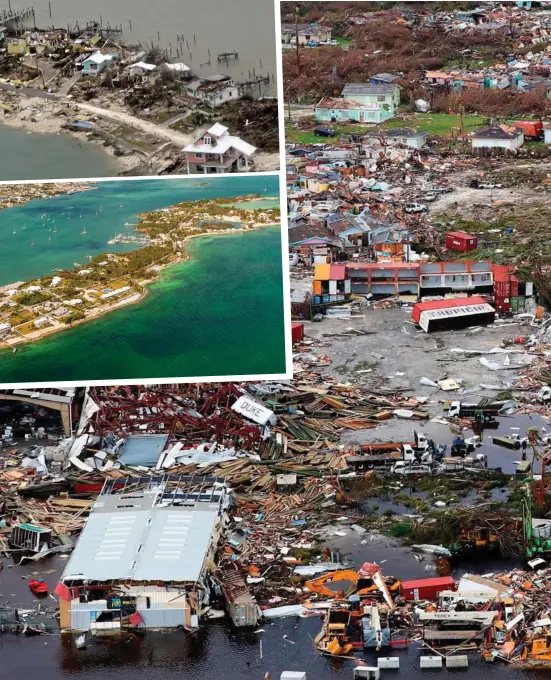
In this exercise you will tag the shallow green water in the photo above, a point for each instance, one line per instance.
(219, 314)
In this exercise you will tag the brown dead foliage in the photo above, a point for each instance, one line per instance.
(494, 103)
(380, 45)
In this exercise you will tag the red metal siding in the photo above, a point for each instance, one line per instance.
(530, 128)
(502, 303)
(384, 265)
(461, 241)
(506, 286)
(297, 332)
(427, 588)
(337, 272)
(420, 307)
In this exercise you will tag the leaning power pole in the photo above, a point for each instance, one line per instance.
(296, 38)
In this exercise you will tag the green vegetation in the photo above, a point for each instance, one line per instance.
(31, 299)
(435, 124)
(134, 137)
(530, 224)
(109, 272)
(343, 42)
(308, 137)
(21, 316)
(440, 124)
(75, 315)
(26, 328)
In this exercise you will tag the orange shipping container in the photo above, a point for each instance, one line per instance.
(317, 287)
(322, 272)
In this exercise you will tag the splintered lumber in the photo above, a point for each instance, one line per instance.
(69, 503)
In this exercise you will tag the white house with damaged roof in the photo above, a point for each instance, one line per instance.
(497, 137)
(307, 33)
(214, 90)
(415, 139)
(216, 151)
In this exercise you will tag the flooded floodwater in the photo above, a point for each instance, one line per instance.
(218, 650)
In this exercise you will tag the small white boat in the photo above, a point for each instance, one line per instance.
(431, 549)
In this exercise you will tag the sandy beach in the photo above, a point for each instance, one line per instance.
(45, 117)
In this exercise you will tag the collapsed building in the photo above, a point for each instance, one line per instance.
(144, 556)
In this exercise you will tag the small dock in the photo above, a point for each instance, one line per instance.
(253, 81)
(226, 56)
(8, 17)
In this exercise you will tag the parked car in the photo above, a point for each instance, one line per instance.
(490, 186)
(475, 184)
(322, 131)
(416, 208)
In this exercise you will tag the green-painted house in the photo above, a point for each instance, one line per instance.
(335, 110)
(386, 96)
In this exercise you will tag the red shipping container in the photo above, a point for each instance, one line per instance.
(502, 303)
(420, 307)
(461, 241)
(297, 332)
(426, 588)
(531, 128)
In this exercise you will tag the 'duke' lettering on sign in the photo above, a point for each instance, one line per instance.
(254, 411)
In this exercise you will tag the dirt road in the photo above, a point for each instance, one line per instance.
(173, 136)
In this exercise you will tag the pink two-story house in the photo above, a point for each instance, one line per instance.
(217, 151)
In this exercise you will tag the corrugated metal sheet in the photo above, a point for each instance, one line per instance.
(143, 449)
(96, 606)
(163, 618)
(80, 619)
(429, 317)
(244, 614)
(128, 538)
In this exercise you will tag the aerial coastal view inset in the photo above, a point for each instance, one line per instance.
(134, 279)
(133, 90)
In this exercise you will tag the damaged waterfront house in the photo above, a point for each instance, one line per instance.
(217, 151)
(144, 557)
